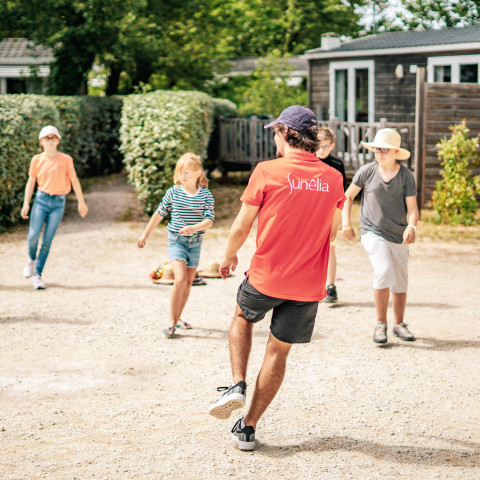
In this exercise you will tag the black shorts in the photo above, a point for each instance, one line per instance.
(292, 321)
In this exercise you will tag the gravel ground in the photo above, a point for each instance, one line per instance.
(90, 389)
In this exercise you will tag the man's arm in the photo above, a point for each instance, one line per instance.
(337, 218)
(238, 234)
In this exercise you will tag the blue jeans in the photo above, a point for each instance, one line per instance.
(47, 209)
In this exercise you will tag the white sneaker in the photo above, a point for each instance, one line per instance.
(38, 283)
(29, 268)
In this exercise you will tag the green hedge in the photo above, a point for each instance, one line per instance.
(90, 134)
(21, 119)
(157, 128)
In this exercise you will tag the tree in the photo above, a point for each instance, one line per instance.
(269, 92)
(445, 13)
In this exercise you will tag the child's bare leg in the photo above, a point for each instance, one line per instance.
(190, 274)
(180, 285)
(332, 266)
(381, 303)
(399, 302)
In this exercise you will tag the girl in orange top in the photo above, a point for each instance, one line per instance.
(55, 174)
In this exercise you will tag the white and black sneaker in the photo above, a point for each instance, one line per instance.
(233, 398)
(245, 437)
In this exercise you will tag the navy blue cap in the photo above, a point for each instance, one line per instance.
(296, 117)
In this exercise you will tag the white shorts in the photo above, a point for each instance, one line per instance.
(389, 261)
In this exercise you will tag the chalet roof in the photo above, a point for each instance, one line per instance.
(246, 65)
(409, 39)
(12, 49)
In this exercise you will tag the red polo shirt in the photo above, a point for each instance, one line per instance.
(297, 195)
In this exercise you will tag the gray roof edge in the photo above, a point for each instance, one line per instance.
(332, 54)
(390, 34)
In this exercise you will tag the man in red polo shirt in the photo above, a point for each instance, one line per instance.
(298, 200)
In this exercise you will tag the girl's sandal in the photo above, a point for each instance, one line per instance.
(183, 325)
(168, 331)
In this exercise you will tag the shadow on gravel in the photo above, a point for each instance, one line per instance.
(74, 287)
(443, 306)
(41, 319)
(434, 344)
(391, 453)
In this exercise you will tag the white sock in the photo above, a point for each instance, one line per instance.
(242, 425)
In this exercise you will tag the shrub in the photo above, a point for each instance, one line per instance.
(454, 196)
(91, 133)
(156, 129)
(21, 118)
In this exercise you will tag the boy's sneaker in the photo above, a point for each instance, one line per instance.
(245, 437)
(233, 398)
(331, 294)
(380, 333)
(401, 331)
(29, 268)
(38, 283)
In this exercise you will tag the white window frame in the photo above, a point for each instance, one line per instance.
(453, 61)
(351, 66)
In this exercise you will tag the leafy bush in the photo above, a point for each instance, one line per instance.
(157, 128)
(454, 196)
(91, 133)
(21, 119)
(224, 108)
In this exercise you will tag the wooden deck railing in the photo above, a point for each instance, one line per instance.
(244, 142)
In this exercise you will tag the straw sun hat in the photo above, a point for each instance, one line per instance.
(212, 270)
(388, 138)
(167, 277)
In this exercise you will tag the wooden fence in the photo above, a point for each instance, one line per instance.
(440, 105)
(244, 142)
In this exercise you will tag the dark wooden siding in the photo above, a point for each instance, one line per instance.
(394, 98)
(318, 94)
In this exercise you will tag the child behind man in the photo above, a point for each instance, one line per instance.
(327, 144)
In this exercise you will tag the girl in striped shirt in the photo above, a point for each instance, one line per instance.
(190, 205)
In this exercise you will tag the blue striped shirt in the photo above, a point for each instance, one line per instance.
(186, 209)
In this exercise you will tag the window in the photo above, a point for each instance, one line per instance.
(352, 91)
(454, 69)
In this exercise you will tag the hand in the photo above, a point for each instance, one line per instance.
(82, 209)
(348, 233)
(142, 241)
(408, 236)
(24, 212)
(187, 231)
(227, 265)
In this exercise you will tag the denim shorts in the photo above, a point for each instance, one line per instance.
(184, 248)
(292, 321)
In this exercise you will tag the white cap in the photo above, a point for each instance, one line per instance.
(48, 130)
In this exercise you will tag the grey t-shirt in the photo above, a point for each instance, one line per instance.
(383, 208)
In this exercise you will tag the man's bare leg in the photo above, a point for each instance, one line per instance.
(240, 343)
(269, 379)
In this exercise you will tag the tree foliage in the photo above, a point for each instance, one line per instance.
(445, 13)
(169, 44)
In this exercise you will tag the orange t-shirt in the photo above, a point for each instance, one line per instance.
(54, 174)
(298, 196)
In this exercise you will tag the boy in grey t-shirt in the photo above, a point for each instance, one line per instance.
(388, 219)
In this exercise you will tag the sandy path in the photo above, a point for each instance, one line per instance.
(90, 389)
